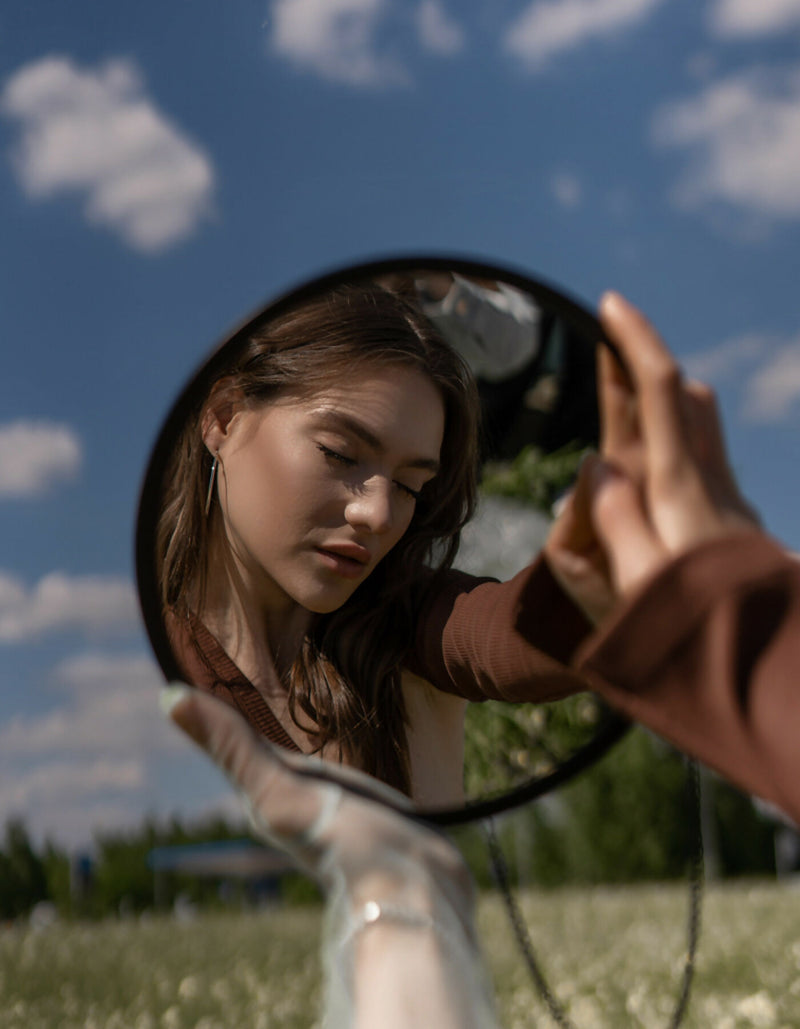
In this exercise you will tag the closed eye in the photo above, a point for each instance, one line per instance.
(334, 455)
(414, 493)
(351, 462)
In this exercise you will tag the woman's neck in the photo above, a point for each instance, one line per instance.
(260, 634)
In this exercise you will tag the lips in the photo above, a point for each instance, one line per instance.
(347, 559)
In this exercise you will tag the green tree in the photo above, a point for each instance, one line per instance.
(23, 881)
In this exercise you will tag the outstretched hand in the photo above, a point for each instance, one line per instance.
(343, 827)
(402, 949)
(661, 484)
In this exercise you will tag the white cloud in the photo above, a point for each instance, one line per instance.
(566, 188)
(90, 603)
(95, 674)
(773, 392)
(766, 370)
(58, 780)
(747, 18)
(103, 757)
(111, 708)
(438, 32)
(96, 133)
(549, 27)
(35, 455)
(336, 39)
(742, 138)
(722, 361)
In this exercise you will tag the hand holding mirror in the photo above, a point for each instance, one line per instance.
(304, 503)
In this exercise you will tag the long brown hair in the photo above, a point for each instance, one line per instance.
(346, 677)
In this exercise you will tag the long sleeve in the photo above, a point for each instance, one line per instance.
(707, 655)
(481, 639)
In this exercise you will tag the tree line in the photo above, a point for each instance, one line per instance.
(631, 817)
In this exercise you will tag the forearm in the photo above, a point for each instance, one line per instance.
(504, 641)
(401, 951)
(707, 654)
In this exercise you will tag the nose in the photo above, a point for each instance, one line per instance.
(370, 507)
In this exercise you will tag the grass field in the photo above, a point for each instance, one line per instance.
(613, 956)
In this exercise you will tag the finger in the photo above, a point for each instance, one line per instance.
(632, 547)
(705, 426)
(572, 529)
(617, 402)
(658, 383)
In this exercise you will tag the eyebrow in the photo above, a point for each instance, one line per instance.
(338, 420)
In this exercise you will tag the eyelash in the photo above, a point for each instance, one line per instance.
(349, 462)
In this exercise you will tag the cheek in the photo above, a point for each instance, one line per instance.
(403, 525)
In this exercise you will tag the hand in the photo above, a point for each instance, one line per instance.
(402, 948)
(662, 483)
(337, 823)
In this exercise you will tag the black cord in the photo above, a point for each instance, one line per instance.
(557, 1012)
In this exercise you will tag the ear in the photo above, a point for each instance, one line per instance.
(219, 415)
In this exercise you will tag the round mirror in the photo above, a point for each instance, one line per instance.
(339, 526)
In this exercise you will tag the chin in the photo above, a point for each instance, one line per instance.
(324, 605)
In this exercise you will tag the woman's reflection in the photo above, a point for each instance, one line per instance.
(311, 514)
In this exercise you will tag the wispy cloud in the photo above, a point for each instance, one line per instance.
(728, 358)
(438, 32)
(88, 603)
(108, 706)
(733, 19)
(336, 39)
(566, 188)
(59, 780)
(102, 756)
(742, 140)
(773, 392)
(765, 369)
(35, 455)
(97, 133)
(549, 27)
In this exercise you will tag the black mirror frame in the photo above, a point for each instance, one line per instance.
(612, 727)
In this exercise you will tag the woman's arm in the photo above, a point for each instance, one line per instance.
(707, 654)
(487, 640)
(401, 949)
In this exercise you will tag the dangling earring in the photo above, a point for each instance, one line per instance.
(211, 478)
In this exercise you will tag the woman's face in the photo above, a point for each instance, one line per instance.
(314, 492)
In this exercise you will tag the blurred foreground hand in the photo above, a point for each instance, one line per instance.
(400, 949)
(661, 484)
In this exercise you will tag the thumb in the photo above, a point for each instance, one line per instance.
(631, 545)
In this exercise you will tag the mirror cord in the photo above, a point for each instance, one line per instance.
(557, 1012)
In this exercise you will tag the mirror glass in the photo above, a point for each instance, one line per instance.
(300, 548)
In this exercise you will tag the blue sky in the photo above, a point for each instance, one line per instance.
(164, 169)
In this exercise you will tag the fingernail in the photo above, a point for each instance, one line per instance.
(170, 696)
(609, 298)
